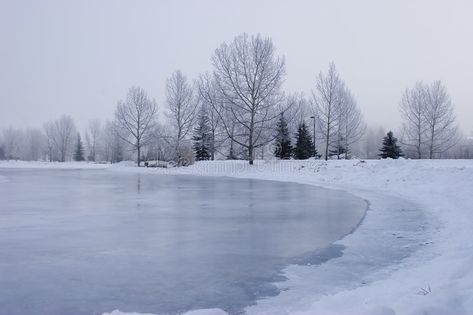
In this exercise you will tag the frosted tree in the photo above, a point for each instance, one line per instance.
(298, 110)
(12, 143)
(92, 138)
(249, 75)
(182, 104)
(326, 99)
(134, 118)
(65, 130)
(60, 138)
(51, 147)
(442, 131)
(113, 144)
(413, 108)
(351, 126)
(429, 120)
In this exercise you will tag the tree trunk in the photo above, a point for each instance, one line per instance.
(250, 144)
(139, 155)
(250, 153)
(212, 153)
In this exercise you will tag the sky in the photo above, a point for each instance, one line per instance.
(80, 57)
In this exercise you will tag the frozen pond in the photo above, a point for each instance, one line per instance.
(86, 242)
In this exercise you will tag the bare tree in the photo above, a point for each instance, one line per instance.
(440, 120)
(135, 117)
(60, 135)
(413, 109)
(182, 104)
(429, 120)
(351, 124)
(249, 77)
(92, 135)
(326, 99)
(113, 145)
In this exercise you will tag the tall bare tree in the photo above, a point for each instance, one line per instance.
(249, 76)
(412, 109)
(135, 117)
(113, 144)
(182, 104)
(440, 120)
(327, 100)
(351, 124)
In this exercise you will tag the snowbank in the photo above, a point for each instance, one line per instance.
(411, 255)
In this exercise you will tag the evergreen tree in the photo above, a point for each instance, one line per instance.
(390, 148)
(202, 138)
(283, 147)
(79, 152)
(304, 146)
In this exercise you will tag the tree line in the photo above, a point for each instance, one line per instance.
(239, 110)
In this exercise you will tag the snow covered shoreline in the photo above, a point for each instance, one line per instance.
(374, 275)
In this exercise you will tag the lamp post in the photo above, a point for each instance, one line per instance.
(313, 118)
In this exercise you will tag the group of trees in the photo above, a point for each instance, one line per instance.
(304, 147)
(239, 110)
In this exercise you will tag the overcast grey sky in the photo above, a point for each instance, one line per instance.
(80, 57)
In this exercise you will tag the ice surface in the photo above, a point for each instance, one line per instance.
(91, 241)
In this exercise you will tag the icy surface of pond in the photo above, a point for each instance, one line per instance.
(86, 242)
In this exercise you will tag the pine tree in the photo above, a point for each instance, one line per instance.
(79, 152)
(304, 146)
(202, 138)
(283, 147)
(390, 148)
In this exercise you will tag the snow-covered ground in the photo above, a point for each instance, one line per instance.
(411, 255)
